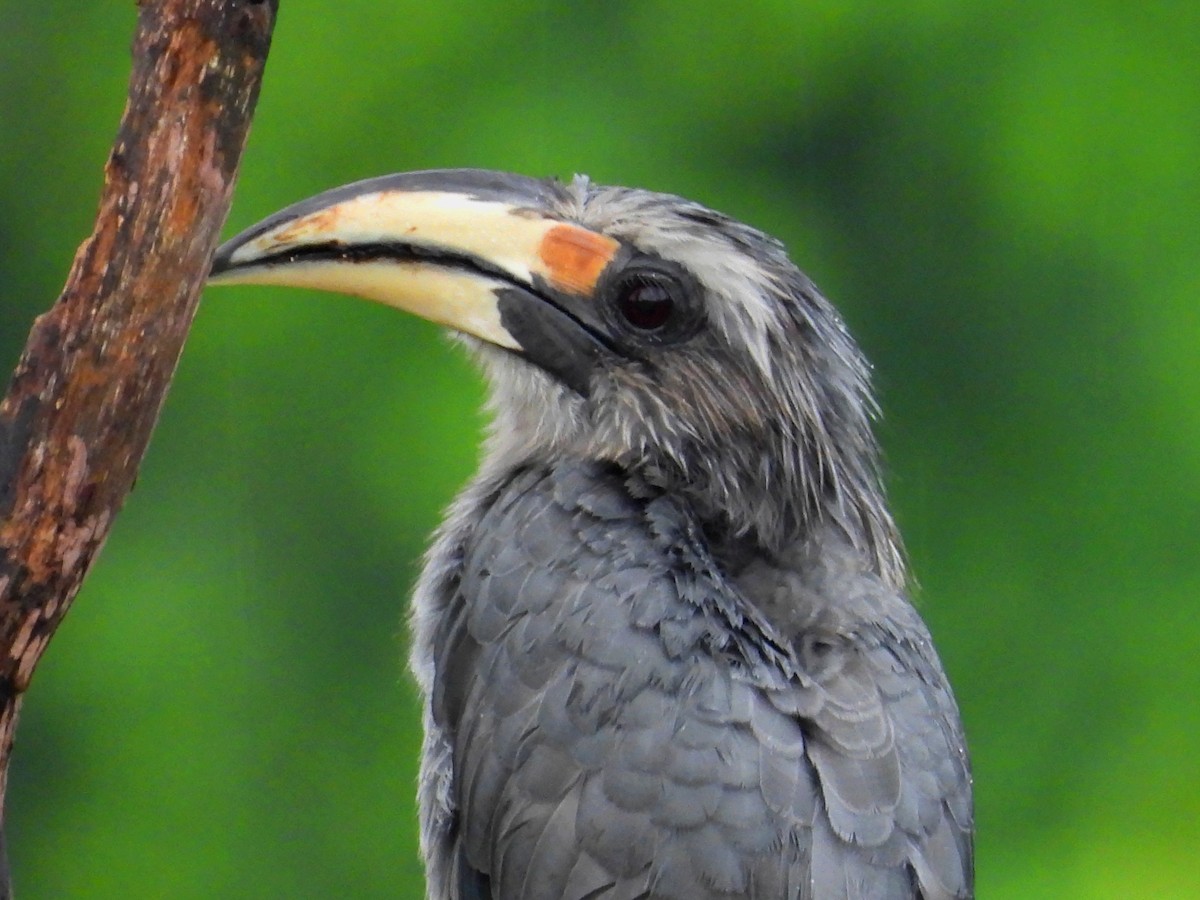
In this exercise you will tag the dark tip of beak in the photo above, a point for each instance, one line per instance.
(220, 260)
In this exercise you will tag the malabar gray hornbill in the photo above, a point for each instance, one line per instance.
(663, 635)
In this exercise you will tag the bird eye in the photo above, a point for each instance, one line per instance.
(646, 304)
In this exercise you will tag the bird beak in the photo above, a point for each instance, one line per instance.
(474, 250)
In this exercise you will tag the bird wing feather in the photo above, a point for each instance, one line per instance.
(611, 738)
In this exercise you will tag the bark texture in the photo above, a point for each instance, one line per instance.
(79, 411)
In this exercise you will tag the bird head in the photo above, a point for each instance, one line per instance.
(614, 324)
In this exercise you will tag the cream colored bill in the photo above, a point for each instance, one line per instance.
(461, 299)
(519, 242)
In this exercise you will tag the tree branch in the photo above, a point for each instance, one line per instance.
(87, 391)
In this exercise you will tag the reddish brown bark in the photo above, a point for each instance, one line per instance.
(87, 391)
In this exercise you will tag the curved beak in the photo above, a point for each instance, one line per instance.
(479, 251)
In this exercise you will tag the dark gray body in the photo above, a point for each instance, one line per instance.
(623, 706)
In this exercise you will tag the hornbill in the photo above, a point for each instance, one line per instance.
(663, 635)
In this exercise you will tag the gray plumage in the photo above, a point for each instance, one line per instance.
(664, 634)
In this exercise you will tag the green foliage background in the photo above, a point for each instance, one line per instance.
(1004, 200)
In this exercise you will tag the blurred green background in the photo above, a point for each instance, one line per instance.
(1004, 200)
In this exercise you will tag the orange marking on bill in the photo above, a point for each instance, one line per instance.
(305, 227)
(574, 257)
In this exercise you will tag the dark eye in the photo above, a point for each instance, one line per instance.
(646, 304)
